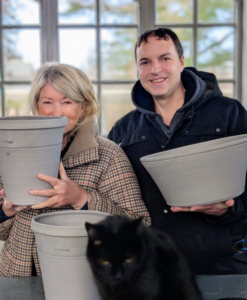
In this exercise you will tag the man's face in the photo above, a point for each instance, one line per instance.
(159, 67)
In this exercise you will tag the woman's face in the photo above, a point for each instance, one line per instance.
(53, 103)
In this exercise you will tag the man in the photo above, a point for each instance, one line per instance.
(177, 107)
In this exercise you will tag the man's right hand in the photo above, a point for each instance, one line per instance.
(9, 208)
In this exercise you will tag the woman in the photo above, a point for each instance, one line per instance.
(94, 173)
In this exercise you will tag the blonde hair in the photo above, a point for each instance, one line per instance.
(69, 81)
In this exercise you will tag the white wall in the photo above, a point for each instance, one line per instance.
(244, 62)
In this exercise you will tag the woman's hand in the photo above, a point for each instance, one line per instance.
(64, 192)
(216, 209)
(9, 208)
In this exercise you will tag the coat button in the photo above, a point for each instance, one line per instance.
(218, 129)
(165, 211)
(162, 146)
(187, 131)
(143, 137)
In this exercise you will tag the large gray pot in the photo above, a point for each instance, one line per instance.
(61, 240)
(28, 146)
(199, 174)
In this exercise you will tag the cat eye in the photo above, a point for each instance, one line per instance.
(97, 242)
(105, 262)
(128, 260)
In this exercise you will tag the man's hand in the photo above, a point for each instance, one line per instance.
(216, 209)
(64, 192)
(9, 208)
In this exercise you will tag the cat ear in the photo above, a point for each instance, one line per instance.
(136, 223)
(92, 232)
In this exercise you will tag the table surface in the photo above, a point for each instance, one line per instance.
(213, 287)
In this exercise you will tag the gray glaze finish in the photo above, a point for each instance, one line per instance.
(28, 146)
(61, 241)
(199, 174)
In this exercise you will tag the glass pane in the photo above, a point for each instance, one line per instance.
(21, 50)
(227, 88)
(117, 53)
(76, 11)
(20, 12)
(216, 51)
(176, 11)
(77, 47)
(16, 98)
(115, 103)
(185, 36)
(118, 12)
(215, 11)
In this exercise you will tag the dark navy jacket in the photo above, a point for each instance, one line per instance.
(213, 245)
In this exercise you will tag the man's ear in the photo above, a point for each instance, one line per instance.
(182, 63)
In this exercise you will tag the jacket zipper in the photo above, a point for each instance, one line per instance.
(176, 128)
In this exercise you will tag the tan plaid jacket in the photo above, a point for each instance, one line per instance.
(101, 168)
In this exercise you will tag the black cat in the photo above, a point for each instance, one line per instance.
(133, 262)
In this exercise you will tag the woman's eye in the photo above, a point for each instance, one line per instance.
(67, 102)
(128, 260)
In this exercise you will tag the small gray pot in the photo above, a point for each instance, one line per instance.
(61, 240)
(200, 174)
(28, 146)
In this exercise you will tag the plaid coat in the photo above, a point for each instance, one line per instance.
(101, 168)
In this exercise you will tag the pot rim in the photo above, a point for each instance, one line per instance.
(63, 231)
(228, 142)
(32, 122)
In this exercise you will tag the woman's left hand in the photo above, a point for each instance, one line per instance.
(64, 192)
(216, 209)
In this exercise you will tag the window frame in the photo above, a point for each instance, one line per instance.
(147, 21)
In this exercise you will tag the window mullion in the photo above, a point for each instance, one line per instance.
(147, 15)
(49, 30)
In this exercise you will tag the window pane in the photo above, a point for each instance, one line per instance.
(21, 50)
(77, 48)
(215, 11)
(176, 11)
(115, 103)
(76, 11)
(227, 88)
(118, 12)
(117, 53)
(16, 97)
(20, 12)
(185, 36)
(216, 51)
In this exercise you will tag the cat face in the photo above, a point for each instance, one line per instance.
(115, 249)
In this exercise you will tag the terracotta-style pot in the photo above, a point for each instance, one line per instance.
(199, 174)
(61, 240)
(28, 146)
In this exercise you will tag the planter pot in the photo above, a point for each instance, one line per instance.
(28, 146)
(200, 174)
(61, 240)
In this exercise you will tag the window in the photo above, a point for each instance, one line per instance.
(210, 32)
(98, 36)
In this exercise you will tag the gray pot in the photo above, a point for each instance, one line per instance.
(199, 174)
(61, 240)
(28, 146)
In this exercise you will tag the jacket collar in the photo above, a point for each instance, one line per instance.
(84, 147)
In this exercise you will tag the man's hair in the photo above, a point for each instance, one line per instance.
(160, 33)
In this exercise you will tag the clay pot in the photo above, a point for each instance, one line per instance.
(28, 146)
(61, 240)
(199, 174)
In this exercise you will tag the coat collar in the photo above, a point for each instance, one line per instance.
(84, 147)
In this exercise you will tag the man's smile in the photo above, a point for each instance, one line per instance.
(158, 80)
